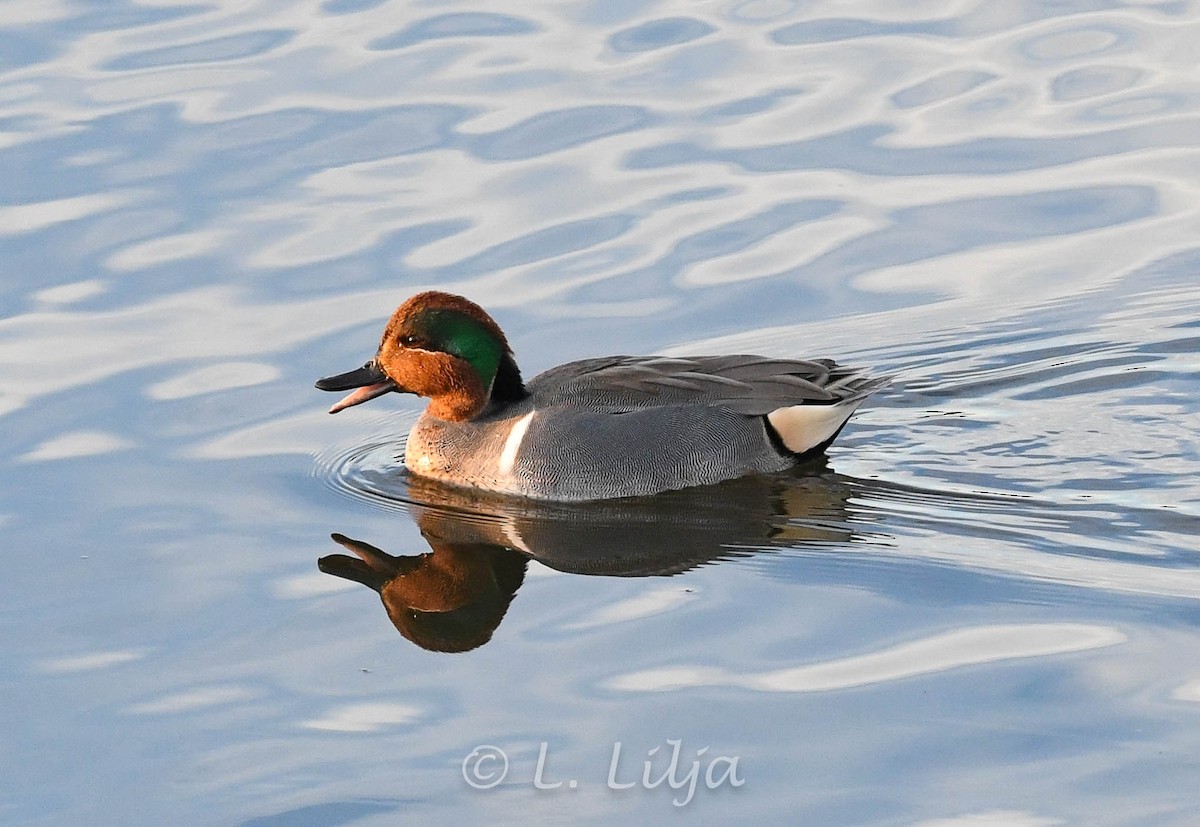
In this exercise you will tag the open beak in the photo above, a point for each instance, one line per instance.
(372, 567)
(368, 382)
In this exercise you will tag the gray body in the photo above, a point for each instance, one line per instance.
(628, 426)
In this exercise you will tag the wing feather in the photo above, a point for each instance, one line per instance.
(746, 384)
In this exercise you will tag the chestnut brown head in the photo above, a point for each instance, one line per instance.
(442, 347)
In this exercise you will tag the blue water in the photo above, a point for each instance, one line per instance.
(981, 609)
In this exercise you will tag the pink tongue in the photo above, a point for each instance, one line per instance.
(360, 395)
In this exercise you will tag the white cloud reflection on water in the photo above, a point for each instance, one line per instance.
(993, 818)
(75, 444)
(218, 377)
(90, 661)
(365, 717)
(194, 699)
(648, 603)
(950, 650)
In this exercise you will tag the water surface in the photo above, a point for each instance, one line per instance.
(981, 608)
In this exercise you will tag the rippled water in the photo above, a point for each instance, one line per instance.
(981, 609)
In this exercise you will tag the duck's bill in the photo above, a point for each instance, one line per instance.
(368, 382)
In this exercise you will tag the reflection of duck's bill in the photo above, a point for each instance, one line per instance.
(368, 382)
(373, 567)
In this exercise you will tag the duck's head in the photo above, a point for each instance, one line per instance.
(440, 346)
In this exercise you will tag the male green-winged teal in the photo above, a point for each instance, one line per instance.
(615, 426)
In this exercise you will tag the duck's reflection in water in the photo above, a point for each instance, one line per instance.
(453, 597)
(447, 600)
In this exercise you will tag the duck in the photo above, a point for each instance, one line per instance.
(597, 428)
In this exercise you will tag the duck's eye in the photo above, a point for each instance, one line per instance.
(413, 341)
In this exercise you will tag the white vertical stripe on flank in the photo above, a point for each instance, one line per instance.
(513, 444)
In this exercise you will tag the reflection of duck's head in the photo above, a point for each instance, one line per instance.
(452, 598)
(448, 600)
